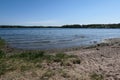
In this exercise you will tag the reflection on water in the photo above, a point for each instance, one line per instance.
(51, 38)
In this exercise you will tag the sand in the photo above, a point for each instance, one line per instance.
(102, 59)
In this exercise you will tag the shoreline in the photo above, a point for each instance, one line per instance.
(98, 62)
(105, 42)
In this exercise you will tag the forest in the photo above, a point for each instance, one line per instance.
(66, 26)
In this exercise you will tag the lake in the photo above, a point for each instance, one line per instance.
(54, 38)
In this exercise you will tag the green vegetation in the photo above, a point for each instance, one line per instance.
(2, 54)
(96, 76)
(30, 60)
(47, 75)
(67, 26)
(2, 42)
(92, 26)
(4, 67)
(40, 56)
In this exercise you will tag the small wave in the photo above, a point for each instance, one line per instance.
(64, 40)
(79, 36)
(45, 41)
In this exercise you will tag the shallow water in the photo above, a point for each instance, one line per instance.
(54, 38)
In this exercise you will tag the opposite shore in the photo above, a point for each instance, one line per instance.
(67, 26)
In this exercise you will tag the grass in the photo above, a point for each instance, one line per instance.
(41, 56)
(28, 56)
(47, 75)
(30, 60)
(96, 76)
(4, 65)
(2, 42)
(2, 54)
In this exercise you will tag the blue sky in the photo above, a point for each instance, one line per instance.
(59, 12)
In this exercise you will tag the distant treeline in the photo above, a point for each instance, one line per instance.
(67, 26)
(15, 26)
(92, 26)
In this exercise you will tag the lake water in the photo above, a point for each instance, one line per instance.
(54, 38)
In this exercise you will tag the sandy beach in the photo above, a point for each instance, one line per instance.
(104, 59)
(98, 62)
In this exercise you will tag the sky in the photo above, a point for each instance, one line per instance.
(59, 12)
